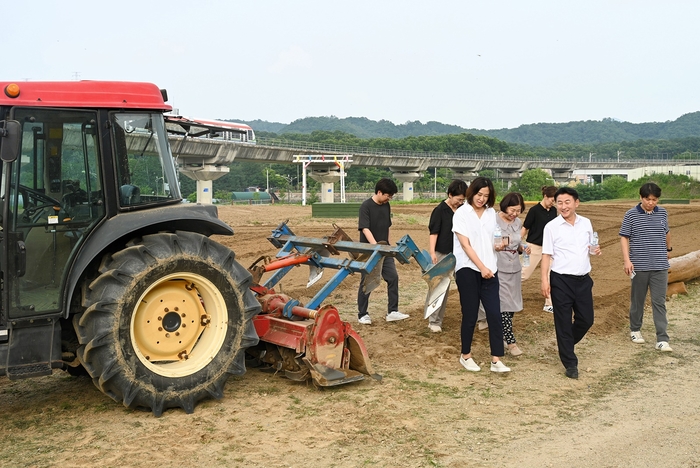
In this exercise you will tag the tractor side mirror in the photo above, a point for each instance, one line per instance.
(10, 131)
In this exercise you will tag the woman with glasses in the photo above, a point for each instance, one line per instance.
(441, 238)
(509, 268)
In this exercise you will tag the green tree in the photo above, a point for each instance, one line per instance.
(531, 183)
(613, 186)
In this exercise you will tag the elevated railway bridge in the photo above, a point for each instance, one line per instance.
(206, 159)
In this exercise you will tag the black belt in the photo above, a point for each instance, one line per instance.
(578, 277)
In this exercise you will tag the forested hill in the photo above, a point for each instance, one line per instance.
(541, 134)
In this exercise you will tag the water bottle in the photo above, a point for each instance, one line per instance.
(526, 256)
(497, 237)
(593, 244)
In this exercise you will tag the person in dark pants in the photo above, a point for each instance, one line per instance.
(474, 225)
(441, 238)
(565, 250)
(374, 223)
(646, 246)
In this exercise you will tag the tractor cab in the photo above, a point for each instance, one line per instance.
(67, 166)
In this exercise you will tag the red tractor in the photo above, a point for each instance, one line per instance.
(103, 267)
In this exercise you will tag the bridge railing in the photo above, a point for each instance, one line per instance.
(369, 151)
(311, 146)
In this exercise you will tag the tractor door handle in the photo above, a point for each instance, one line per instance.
(21, 258)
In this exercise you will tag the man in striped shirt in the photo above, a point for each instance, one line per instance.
(645, 239)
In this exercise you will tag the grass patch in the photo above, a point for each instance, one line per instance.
(434, 389)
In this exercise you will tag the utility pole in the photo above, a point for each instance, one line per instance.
(618, 155)
(435, 183)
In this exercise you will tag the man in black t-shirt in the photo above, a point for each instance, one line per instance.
(374, 224)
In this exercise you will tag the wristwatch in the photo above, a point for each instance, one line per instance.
(670, 249)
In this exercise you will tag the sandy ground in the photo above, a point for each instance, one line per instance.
(632, 406)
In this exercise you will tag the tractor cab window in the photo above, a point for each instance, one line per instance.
(55, 198)
(145, 170)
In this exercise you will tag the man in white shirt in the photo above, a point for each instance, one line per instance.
(566, 247)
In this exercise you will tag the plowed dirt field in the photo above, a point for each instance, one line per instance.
(632, 406)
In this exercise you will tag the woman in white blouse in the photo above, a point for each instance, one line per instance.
(474, 225)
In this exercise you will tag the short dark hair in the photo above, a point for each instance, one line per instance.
(386, 186)
(566, 190)
(650, 188)
(512, 199)
(548, 190)
(457, 187)
(476, 185)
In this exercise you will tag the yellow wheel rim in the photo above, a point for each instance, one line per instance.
(179, 324)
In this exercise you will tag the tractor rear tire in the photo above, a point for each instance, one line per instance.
(133, 334)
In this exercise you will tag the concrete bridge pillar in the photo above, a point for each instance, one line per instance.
(467, 176)
(327, 178)
(407, 178)
(562, 177)
(204, 174)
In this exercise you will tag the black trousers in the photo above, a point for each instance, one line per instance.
(472, 290)
(391, 276)
(572, 296)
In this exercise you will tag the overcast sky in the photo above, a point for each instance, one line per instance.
(476, 64)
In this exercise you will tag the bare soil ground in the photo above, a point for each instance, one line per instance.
(632, 406)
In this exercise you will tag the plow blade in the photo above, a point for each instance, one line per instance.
(315, 274)
(325, 376)
(374, 278)
(438, 278)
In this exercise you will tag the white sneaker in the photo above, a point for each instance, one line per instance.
(396, 315)
(435, 328)
(637, 337)
(549, 309)
(498, 366)
(663, 346)
(365, 320)
(469, 364)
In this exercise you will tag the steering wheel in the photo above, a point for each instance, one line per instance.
(35, 201)
(30, 211)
